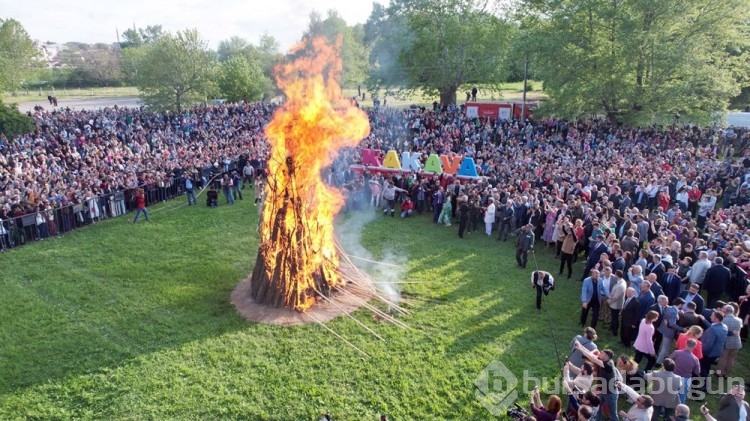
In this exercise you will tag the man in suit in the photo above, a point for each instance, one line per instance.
(597, 250)
(654, 285)
(646, 299)
(659, 306)
(616, 300)
(716, 280)
(630, 318)
(524, 244)
(708, 312)
(656, 267)
(668, 328)
(630, 242)
(666, 390)
(688, 317)
(713, 342)
(692, 295)
(590, 298)
(671, 283)
(619, 262)
(731, 407)
(733, 343)
(505, 215)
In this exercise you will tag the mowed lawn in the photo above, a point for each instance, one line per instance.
(123, 321)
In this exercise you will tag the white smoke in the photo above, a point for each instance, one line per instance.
(386, 277)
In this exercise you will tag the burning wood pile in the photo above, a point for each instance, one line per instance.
(299, 261)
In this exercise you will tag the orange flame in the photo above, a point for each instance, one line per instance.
(315, 121)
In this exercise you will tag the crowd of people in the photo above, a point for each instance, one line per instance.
(659, 216)
(81, 164)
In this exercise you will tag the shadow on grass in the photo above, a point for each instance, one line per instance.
(114, 291)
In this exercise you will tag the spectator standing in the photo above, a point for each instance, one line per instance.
(524, 245)
(644, 343)
(715, 281)
(630, 318)
(590, 299)
(189, 189)
(140, 205)
(713, 342)
(665, 391)
(489, 216)
(687, 366)
(227, 187)
(733, 343)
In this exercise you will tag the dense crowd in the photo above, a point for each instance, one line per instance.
(665, 210)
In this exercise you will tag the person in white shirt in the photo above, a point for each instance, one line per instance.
(699, 269)
(489, 216)
(641, 410)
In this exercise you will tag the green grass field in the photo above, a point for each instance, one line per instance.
(505, 92)
(74, 93)
(122, 321)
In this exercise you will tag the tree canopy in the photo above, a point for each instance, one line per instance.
(437, 45)
(637, 60)
(240, 79)
(175, 71)
(13, 122)
(353, 51)
(136, 37)
(18, 55)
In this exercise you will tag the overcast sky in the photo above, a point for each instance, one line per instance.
(93, 21)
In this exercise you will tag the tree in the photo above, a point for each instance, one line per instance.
(240, 79)
(97, 64)
(175, 71)
(233, 47)
(353, 52)
(437, 45)
(136, 37)
(13, 122)
(18, 55)
(639, 60)
(266, 54)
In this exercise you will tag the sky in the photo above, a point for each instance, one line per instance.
(93, 21)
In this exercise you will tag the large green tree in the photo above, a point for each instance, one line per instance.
(18, 55)
(353, 52)
(638, 60)
(13, 122)
(136, 37)
(265, 54)
(175, 71)
(437, 45)
(240, 79)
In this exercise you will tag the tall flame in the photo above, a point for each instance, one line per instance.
(297, 247)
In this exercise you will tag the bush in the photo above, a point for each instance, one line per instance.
(14, 122)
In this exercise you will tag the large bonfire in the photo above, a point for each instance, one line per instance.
(298, 261)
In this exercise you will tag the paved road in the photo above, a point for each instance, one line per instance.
(739, 119)
(733, 119)
(87, 104)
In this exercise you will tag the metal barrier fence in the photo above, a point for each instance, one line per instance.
(54, 222)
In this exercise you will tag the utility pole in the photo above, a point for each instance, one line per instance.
(525, 80)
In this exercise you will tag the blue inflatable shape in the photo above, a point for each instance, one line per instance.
(468, 168)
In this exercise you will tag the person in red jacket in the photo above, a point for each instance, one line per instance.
(140, 205)
(407, 207)
(663, 199)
